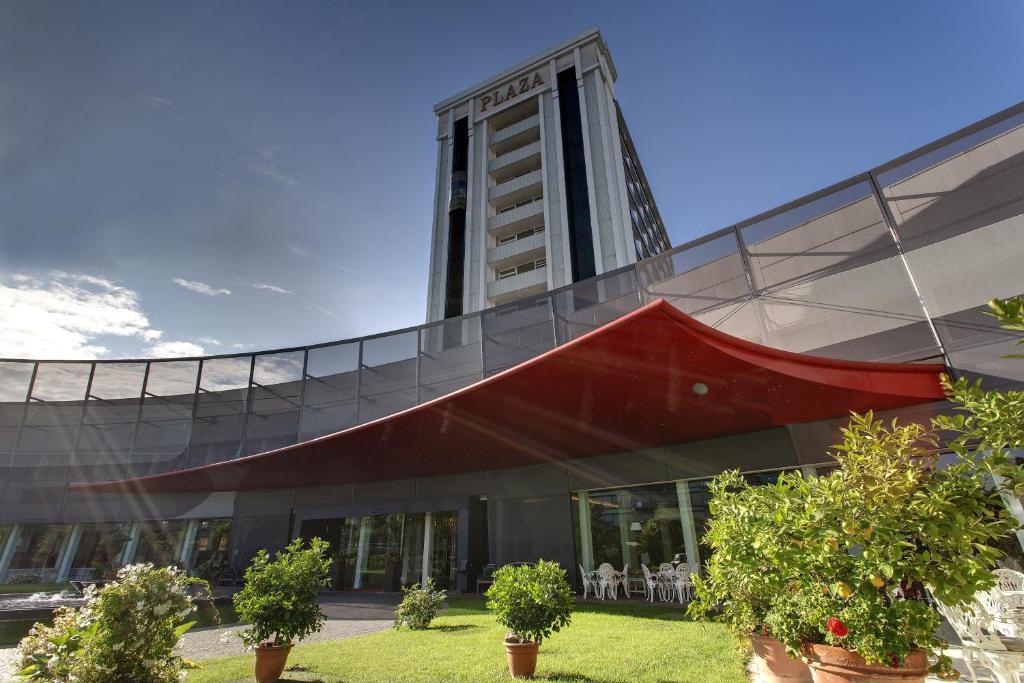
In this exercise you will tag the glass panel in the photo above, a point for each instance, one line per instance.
(517, 332)
(14, 381)
(53, 417)
(387, 382)
(111, 413)
(330, 402)
(209, 555)
(702, 277)
(700, 497)
(590, 304)
(34, 500)
(36, 552)
(833, 284)
(166, 418)
(634, 526)
(412, 548)
(449, 356)
(160, 542)
(444, 534)
(959, 212)
(220, 410)
(274, 406)
(100, 549)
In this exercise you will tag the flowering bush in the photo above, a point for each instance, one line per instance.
(280, 599)
(531, 601)
(419, 606)
(125, 631)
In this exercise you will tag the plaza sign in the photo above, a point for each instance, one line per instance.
(510, 91)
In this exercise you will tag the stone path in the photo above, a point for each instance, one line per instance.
(348, 615)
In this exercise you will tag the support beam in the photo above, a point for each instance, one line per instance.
(686, 517)
(67, 553)
(128, 556)
(362, 551)
(428, 532)
(586, 536)
(8, 553)
(809, 471)
(188, 540)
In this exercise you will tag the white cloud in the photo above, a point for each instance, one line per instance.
(155, 101)
(273, 288)
(175, 349)
(200, 287)
(326, 312)
(265, 164)
(62, 315)
(209, 340)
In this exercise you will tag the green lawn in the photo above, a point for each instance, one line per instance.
(606, 643)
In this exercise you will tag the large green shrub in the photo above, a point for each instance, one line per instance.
(125, 631)
(531, 601)
(740, 581)
(419, 606)
(280, 600)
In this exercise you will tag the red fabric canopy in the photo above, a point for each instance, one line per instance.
(651, 378)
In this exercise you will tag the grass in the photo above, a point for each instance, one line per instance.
(606, 643)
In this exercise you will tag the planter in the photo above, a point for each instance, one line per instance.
(836, 665)
(522, 658)
(270, 661)
(773, 665)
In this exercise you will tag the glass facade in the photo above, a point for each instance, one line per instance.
(100, 550)
(649, 235)
(386, 552)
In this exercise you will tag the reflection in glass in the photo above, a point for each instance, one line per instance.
(160, 542)
(100, 550)
(36, 552)
(208, 556)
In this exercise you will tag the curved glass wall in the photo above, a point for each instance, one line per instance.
(892, 265)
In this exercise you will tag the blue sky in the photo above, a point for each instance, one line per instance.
(178, 176)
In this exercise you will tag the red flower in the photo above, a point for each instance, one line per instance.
(837, 627)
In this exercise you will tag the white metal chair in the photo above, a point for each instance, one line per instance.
(667, 582)
(1003, 656)
(650, 583)
(608, 580)
(624, 579)
(589, 581)
(683, 585)
(1009, 580)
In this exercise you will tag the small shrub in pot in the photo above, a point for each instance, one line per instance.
(532, 602)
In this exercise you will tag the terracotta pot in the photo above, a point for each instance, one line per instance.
(270, 661)
(522, 658)
(836, 665)
(773, 665)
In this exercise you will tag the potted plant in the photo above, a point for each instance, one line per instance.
(280, 602)
(739, 581)
(859, 548)
(532, 602)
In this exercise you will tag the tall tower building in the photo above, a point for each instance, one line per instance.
(538, 183)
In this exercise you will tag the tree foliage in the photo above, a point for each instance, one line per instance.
(532, 602)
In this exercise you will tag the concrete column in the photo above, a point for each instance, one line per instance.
(67, 553)
(8, 552)
(809, 471)
(361, 551)
(132, 545)
(625, 503)
(188, 540)
(686, 517)
(586, 537)
(428, 528)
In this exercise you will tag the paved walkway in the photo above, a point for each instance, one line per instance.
(348, 614)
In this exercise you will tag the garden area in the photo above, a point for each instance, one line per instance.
(606, 643)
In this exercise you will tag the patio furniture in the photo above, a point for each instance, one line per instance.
(650, 583)
(980, 642)
(682, 583)
(624, 579)
(609, 579)
(590, 581)
(486, 577)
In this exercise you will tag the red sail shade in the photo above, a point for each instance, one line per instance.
(651, 378)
